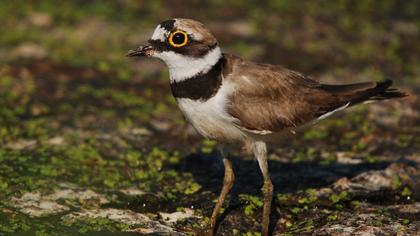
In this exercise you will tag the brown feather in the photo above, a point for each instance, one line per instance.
(272, 98)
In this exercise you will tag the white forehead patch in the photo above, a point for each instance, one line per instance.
(160, 34)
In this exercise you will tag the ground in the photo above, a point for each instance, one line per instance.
(92, 143)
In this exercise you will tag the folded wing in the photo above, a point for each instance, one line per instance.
(269, 99)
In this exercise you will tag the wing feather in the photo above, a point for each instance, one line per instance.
(269, 99)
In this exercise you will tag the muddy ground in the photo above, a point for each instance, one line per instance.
(92, 143)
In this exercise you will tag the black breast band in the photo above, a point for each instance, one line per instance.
(201, 86)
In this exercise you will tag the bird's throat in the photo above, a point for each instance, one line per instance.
(201, 86)
(182, 67)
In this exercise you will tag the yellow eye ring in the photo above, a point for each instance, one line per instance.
(178, 39)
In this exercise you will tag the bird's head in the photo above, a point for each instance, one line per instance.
(186, 46)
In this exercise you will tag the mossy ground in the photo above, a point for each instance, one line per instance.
(75, 112)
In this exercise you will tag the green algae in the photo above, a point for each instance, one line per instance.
(58, 125)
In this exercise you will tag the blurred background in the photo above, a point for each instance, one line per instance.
(92, 141)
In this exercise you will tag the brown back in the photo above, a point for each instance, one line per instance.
(272, 98)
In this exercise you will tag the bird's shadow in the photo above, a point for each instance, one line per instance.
(208, 171)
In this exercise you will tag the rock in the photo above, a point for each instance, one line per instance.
(362, 224)
(376, 180)
(141, 131)
(161, 125)
(35, 204)
(407, 208)
(40, 19)
(21, 144)
(80, 195)
(58, 140)
(370, 181)
(69, 196)
(324, 192)
(140, 222)
(30, 50)
(342, 183)
(172, 218)
(132, 191)
(343, 158)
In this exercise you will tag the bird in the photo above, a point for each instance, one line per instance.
(239, 102)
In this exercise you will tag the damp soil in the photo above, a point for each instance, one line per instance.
(92, 143)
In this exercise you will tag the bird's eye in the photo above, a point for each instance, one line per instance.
(178, 39)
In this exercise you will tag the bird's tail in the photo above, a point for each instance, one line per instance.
(364, 92)
(382, 91)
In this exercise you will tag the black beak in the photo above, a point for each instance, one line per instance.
(141, 51)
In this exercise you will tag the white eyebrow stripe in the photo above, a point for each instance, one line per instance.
(159, 34)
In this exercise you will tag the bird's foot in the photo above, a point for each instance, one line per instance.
(268, 196)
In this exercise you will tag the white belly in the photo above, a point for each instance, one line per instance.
(210, 117)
